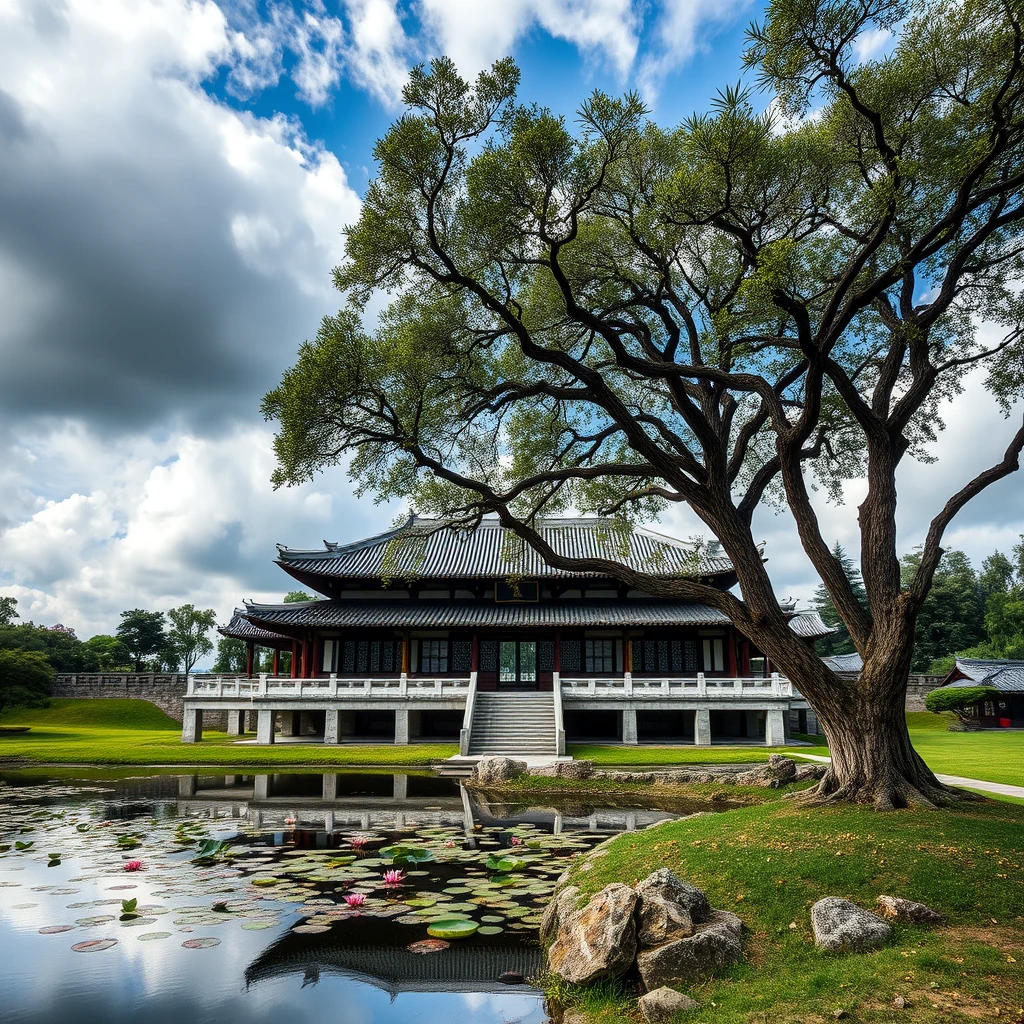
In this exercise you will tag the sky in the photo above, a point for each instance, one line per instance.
(175, 178)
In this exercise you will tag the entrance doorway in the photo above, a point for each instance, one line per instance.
(517, 665)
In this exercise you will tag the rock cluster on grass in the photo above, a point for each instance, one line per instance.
(842, 926)
(897, 909)
(662, 1005)
(663, 929)
(493, 771)
(775, 772)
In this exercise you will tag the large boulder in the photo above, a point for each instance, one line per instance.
(598, 941)
(659, 920)
(662, 1005)
(897, 909)
(558, 911)
(493, 771)
(805, 772)
(577, 771)
(715, 943)
(776, 772)
(842, 926)
(664, 884)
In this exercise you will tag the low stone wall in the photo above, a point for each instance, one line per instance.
(919, 687)
(165, 690)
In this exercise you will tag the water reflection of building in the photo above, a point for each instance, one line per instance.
(334, 802)
(429, 632)
(369, 953)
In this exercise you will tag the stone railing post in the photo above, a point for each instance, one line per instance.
(333, 687)
(776, 685)
(628, 677)
(702, 685)
(263, 688)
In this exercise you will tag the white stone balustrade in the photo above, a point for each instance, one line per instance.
(658, 688)
(218, 688)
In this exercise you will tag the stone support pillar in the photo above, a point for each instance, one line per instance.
(402, 725)
(235, 719)
(774, 728)
(265, 726)
(260, 787)
(330, 786)
(186, 785)
(331, 726)
(289, 723)
(702, 728)
(401, 789)
(192, 725)
(629, 725)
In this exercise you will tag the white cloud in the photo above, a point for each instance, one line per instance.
(870, 43)
(682, 28)
(475, 34)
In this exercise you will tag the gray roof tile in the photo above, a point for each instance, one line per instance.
(427, 548)
(240, 628)
(417, 614)
(1007, 676)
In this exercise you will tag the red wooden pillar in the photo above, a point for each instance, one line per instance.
(406, 653)
(745, 658)
(730, 653)
(474, 662)
(558, 650)
(277, 661)
(295, 660)
(248, 658)
(627, 652)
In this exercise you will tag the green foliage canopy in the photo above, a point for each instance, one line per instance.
(25, 678)
(188, 635)
(959, 699)
(142, 634)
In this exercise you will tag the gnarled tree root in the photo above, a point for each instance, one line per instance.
(888, 794)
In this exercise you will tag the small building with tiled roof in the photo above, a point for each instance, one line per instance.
(1003, 711)
(467, 632)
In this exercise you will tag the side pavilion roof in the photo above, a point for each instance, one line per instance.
(1007, 676)
(433, 549)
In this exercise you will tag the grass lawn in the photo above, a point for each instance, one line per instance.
(770, 863)
(109, 731)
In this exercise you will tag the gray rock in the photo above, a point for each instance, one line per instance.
(598, 941)
(665, 884)
(661, 1005)
(715, 943)
(776, 772)
(897, 909)
(492, 771)
(558, 911)
(575, 770)
(805, 772)
(842, 926)
(660, 920)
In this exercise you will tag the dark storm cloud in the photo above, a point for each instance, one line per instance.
(148, 312)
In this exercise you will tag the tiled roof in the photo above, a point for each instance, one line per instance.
(399, 614)
(847, 664)
(428, 548)
(1007, 676)
(240, 628)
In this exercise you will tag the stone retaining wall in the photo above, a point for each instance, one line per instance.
(165, 690)
(920, 686)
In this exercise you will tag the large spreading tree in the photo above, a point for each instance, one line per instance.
(615, 317)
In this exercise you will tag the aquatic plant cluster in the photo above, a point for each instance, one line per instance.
(432, 882)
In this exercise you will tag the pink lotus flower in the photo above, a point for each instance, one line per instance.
(290, 821)
(355, 899)
(394, 877)
(132, 865)
(516, 841)
(450, 843)
(358, 842)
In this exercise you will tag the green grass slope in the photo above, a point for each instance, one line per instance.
(770, 863)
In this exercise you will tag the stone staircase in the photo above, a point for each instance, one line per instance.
(513, 723)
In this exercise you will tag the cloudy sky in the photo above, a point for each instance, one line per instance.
(174, 180)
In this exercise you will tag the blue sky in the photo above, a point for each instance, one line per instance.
(174, 180)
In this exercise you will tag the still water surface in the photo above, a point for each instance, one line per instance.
(261, 930)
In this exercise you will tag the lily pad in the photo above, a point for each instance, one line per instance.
(151, 936)
(55, 929)
(93, 945)
(428, 946)
(203, 943)
(450, 928)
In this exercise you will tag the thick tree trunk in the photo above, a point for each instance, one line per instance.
(873, 760)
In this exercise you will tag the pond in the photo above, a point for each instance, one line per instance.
(265, 897)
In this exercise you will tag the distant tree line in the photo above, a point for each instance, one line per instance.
(973, 613)
(144, 641)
